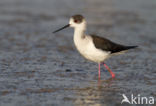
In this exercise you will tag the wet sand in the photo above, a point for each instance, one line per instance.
(38, 68)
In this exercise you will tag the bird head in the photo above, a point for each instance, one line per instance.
(76, 21)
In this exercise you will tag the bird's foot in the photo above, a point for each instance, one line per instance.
(112, 74)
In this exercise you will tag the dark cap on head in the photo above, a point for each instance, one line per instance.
(78, 18)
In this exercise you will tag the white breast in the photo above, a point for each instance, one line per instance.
(86, 47)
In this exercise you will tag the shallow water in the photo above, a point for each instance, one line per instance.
(39, 68)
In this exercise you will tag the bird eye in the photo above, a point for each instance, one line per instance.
(75, 21)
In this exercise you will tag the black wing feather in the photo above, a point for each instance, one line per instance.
(107, 45)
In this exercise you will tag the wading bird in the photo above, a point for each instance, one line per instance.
(92, 47)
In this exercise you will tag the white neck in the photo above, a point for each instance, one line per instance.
(79, 33)
(79, 36)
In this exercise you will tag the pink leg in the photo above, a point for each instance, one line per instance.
(99, 71)
(113, 75)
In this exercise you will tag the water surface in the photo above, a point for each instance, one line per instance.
(38, 68)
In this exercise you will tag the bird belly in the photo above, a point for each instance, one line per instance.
(91, 53)
(95, 55)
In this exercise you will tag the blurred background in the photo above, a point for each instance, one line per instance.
(39, 68)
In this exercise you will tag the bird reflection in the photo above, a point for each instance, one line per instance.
(96, 94)
(107, 82)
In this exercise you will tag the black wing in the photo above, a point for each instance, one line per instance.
(107, 45)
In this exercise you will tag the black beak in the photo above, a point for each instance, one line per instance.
(62, 28)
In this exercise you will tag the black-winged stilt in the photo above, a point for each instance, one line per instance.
(93, 47)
